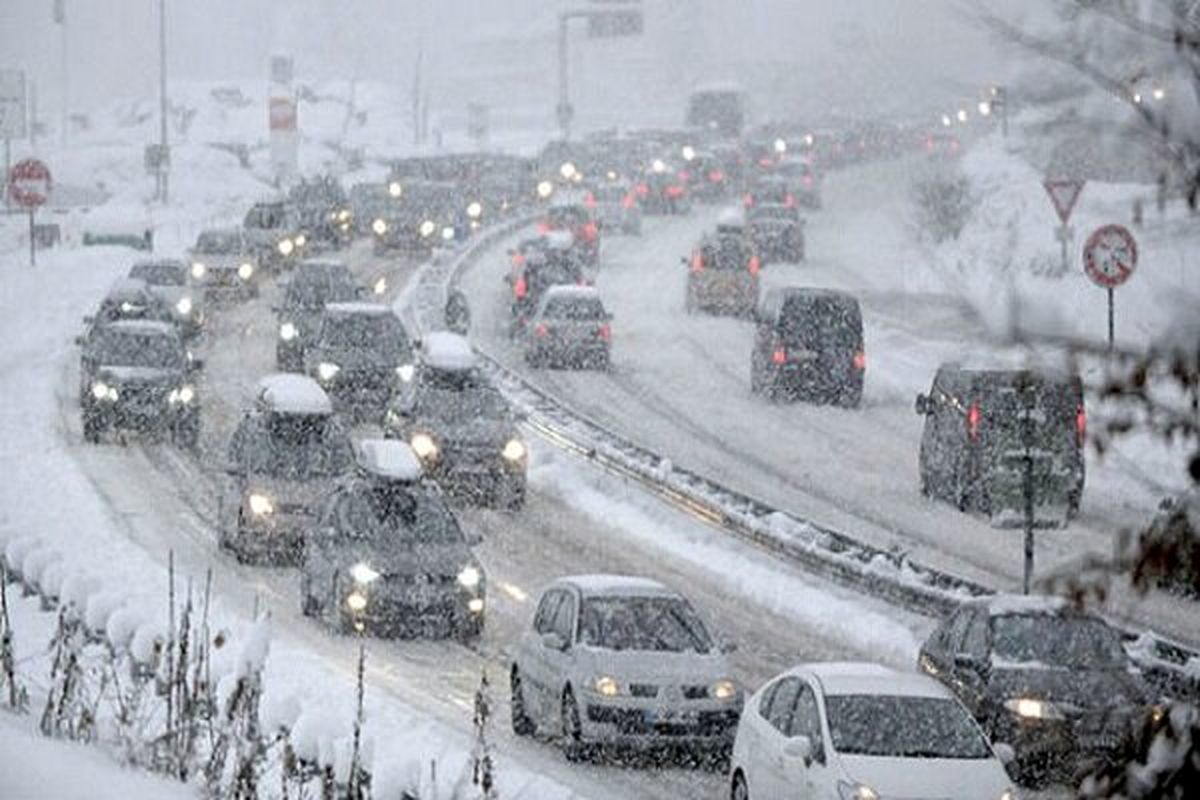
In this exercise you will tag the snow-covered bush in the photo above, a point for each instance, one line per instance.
(943, 202)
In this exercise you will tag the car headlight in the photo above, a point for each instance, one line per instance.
(344, 215)
(260, 504)
(475, 605)
(102, 391)
(856, 791)
(380, 286)
(514, 450)
(356, 601)
(198, 269)
(1032, 708)
(286, 247)
(424, 446)
(327, 371)
(1008, 794)
(184, 306)
(362, 573)
(301, 240)
(427, 228)
(245, 270)
(469, 577)
(607, 686)
(545, 189)
(475, 210)
(395, 189)
(447, 233)
(406, 372)
(723, 690)
(184, 395)
(379, 226)
(287, 331)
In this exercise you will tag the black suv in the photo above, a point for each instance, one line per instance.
(313, 284)
(991, 433)
(137, 375)
(809, 343)
(1053, 683)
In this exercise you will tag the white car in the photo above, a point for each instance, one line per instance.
(613, 660)
(861, 732)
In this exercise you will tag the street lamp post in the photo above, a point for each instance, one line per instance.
(165, 164)
(607, 23)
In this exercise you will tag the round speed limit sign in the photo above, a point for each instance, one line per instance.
(1110, 256)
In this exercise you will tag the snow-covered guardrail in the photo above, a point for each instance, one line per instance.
(820, 550)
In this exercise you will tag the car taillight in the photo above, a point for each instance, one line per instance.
(518, 260)
(747, 200)
(674, 190)
(716, 176)
(642, 189)
(684, 175)
(860, 360)
(1080, 426)
(765, 161)
(779, 356)
(628, 201)
(929, 144)
(590, 231)
(540, 330)
(604, 332)
(808, 180)
(754, 265)
(974, 417)
(697, 262)
(520, 288)
(789, 200)
(590, 200)
(543, 228)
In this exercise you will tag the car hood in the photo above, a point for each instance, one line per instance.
(128, 375)
(469, 432)
(289, 492)
(170, 294)
(1083, 689)
(635, 666)
(968, 779)
(398, 557)
(223, 261)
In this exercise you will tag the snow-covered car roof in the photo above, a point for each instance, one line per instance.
(618, 585)
(1001, 604)
(852, 677)
(559, 240)
(293, 394)
(447, 351)
(731, 217)
(573, 292)
(371, 309)
(175, 263)
(389, 459)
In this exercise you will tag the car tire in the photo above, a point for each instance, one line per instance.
(738, 790)
(309, 605)
(92, 428)
(522, 723)
(571, 736)
(187, 433)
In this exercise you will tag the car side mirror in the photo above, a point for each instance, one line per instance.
(923, 406)
(1004, 752)
(554, 641)
(799, 748)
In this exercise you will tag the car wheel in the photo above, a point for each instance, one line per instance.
(309, 605)
(738, 789)
(522, 723)
(572, 729)
(187, 433)
(91, 429)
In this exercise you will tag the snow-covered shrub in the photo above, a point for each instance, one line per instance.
(942, 204)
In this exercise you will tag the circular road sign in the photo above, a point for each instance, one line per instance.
(29, 183)
(1110, 256)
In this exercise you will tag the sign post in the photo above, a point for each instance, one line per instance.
(1064, 194)
(29, 187)
(12, 114)
(1109, 257)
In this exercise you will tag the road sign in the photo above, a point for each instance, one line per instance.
(1064, 194)
(1110, 256)
(283, 114)
(29, 183)
(12, 104)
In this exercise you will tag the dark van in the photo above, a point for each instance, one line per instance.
(990, 433)
(808, 343)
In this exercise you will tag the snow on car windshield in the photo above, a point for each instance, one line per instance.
(292, 447)
(159, 274)
(380, 333)
(212, 243)
(915, 727)
(115, 348)
(399, 515)
(466, 405)
(1057, 641)
(664, 624)
(335, 287)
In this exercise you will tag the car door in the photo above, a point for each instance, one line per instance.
(770, 774)
(532, 662)
(941, 655)
(559, 663)
(813, 778)
(973, 671)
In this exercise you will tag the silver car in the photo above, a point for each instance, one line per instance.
(387, 555)
(570, 328)
(286, 454)
(615, 660)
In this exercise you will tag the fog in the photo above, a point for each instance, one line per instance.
(811, 57)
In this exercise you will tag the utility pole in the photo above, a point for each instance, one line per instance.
(164, 166)
(60, 17)
(563, 110)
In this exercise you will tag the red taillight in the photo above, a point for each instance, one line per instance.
(779, 356)
(789, 200)
(604, 332)
(697, 262)
(540, 330)
(808, 180)
(590, 200)
(716, 176)
(543, 228)
(520, 288)
(754, 265)
(747, 200)
(860, 360)
(518, 259)
(642, 189)
(765, 161)
(1080, 425)
(628, 201)
(684, 175)
(674, 190)
(929, 144)
(974, 417)
(590, 231)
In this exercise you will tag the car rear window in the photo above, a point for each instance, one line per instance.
(159, 274)
(728, 252)
(315, 292)
(575, 308)
(820, 321)
(1045, 411)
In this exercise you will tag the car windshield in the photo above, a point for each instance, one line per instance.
(317, 290)
(159, 274)
(657, 624)
(268, 216)
(124, 349)
(1056, 641)
(214, 243)
(575, 309)
(380, 333)
(888, 726)
(398, 513)
(462, 405)
(293, 447)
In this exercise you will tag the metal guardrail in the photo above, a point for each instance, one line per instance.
(818, 549)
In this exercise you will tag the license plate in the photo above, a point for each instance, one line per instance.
(669, 716)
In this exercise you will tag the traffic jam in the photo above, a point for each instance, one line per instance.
(655, 328)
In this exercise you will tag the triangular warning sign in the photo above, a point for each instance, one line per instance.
(1063, 194)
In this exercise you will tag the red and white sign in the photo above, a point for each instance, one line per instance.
(283, 114)
(1110, 256)
(1064, 194)
(29, 183)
